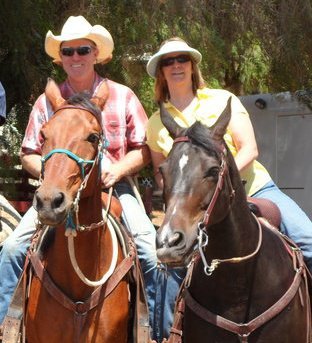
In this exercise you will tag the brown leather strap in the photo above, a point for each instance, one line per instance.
(81, 308)
(176, 331)
(142, 328)
(13, 324)
(96, 297)
(243, 330)
(11, 330)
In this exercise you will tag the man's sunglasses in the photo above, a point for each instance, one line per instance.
(170, 60)
(81, 50)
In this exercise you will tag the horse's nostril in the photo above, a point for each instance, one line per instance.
(58, 200)
(37, 202)
(175, 239)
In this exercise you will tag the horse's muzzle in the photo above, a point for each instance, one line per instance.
(52, 207)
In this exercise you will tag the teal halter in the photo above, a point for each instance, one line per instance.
(80, 161)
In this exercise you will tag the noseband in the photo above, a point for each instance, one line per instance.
(80, 161)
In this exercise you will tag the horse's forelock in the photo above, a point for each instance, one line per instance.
(199, 134)
(84, 100)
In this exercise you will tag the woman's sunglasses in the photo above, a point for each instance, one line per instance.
(170, 60)
(81, 50)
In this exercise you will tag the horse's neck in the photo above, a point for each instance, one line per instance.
(237, 234)
(90, 209)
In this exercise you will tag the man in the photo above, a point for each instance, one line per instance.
(2, 105)
(79, 47)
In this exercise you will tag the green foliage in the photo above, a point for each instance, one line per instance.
(11, 137)
(251, 63)
(247, 46)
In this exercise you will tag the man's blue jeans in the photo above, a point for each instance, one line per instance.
(12, 258)
(295, 223)
(161, 285)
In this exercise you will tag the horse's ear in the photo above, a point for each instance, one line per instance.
(218, 130)
(170, 124)
(53, 94)
(101, 95)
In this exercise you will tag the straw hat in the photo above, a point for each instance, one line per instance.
(79, 28)
(167, 48)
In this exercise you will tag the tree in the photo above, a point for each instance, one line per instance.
(247, 46)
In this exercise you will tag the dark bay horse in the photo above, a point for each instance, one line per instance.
(244, 282)
(80, 288)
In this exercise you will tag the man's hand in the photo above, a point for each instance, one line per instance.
(111, 175)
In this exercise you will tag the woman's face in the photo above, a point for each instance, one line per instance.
(78, 57)
(177, 68)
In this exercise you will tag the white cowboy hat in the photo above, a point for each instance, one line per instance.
(78, 28)
(167, 48)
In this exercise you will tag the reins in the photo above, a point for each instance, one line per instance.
(202, 243)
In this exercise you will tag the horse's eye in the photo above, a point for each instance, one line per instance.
(93, 138)
(213, 172)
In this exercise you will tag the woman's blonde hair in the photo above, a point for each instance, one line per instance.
(161, 88)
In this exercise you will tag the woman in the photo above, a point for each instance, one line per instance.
(180, 86)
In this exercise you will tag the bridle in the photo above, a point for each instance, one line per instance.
(80, 161)
(202, 237)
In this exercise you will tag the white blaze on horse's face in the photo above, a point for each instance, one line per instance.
(183, 162)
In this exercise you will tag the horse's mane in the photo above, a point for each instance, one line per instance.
(83, 99)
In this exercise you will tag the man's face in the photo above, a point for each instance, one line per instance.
(78, 57)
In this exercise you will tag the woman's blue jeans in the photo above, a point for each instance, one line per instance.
(295, 223)
(161, 285)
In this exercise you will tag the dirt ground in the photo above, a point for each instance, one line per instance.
(157, 217)
(154, 207)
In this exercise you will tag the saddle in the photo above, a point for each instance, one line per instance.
(266, 209)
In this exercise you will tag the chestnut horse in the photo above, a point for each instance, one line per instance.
(244, 282)
(80, 288)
